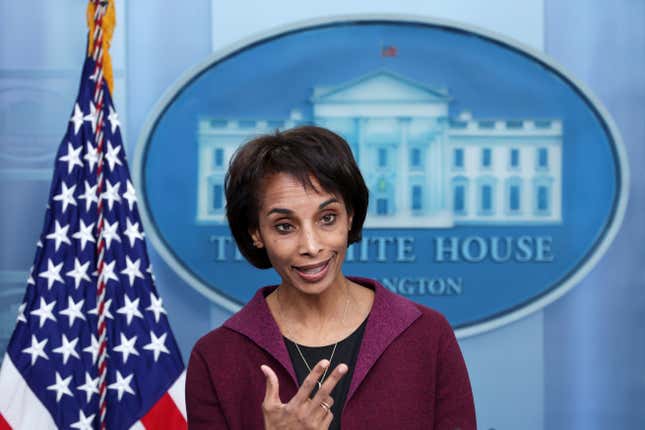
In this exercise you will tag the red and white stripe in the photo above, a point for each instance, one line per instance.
(20, 409)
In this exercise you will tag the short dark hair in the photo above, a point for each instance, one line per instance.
(302, 152)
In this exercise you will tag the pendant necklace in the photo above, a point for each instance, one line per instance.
(331, 357)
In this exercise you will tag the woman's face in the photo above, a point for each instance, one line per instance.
(304, 233)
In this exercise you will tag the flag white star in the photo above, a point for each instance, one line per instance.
(130, 194)
(66, 196)
(67, 348)
(106, 309)
(21, 313)
(126, 347)
(111, 193)
(90, 155)
(44, 312)
(149, 270)
(73, 310)
(157, 345)
(84, 423)
(156, 306)
(95, 74)
(39, 244)
(92, 117)
(61, 387)
(37, 349)
(79, 273)
(93, 349)
(132, 270)
(130, 309)
(122, 385)
(90, 386)
(110, 233)
(59, 235)
(114, 120)
(30, 279)
(52, 273)
(89, 195)
(108, 272)
(84, 234)
(112, 156)
(132, 231)
(77, 118)
(73, 157)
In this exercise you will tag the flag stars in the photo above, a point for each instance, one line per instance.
(21, 313)
(91, 387)
(89, 195)
(112, 156)
(67, 348)
(111, 193)
(77, 118)
(72, 158)
(130, 309)
(73, 310)
(132, 270)
(83, 423)
(114, 120)
(91, 155)
(130, 195)
(157, 345)
(92, 348)
(110, 233)
(108, 273)
(156, 306)
(126, 348)
(133, 232)
(79, 273)
(37, 349)
(106, 309)
(122, 385)
(59, 235)
(66, 196)
(44, 312)
(52, 274)
(61, 387)
(84, 234)
(92, 117)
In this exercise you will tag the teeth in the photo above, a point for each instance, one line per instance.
(312, 271)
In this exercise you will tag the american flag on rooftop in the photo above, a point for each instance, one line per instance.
(50, 374)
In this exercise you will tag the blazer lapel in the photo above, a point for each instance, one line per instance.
(256, 322)
(391, 314)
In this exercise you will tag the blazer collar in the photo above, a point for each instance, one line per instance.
(390, 315)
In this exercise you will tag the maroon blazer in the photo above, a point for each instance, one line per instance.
(409, 373)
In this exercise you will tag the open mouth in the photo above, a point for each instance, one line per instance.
(313, 272)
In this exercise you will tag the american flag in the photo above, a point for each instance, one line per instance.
(49, 376)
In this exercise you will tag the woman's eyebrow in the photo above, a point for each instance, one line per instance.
(285, 211)
(328, 202)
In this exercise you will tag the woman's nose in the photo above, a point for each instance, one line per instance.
(310, 242)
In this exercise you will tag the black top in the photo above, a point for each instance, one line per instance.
(346, 352)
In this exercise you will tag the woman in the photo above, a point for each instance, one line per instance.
(320, 350)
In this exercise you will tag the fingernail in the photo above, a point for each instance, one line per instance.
(342, 368)
(324, 363)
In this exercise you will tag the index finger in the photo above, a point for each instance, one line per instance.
(330, 383)
(310, 382)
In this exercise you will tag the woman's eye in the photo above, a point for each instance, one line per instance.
(284, 227)
(328, 218)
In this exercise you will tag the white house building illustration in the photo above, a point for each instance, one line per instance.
(424, 169)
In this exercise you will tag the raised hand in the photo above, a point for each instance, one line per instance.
(301, 412)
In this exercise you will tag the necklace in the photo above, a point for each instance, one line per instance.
(331, 357)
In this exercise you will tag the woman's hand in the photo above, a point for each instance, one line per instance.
(301, 412)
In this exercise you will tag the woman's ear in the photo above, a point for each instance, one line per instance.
(350, 220)
(256, 238)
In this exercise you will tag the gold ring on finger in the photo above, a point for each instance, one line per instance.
(325, 406)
